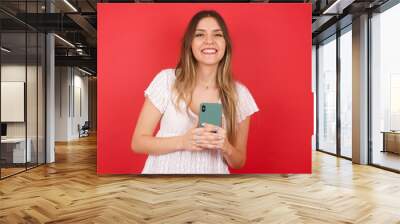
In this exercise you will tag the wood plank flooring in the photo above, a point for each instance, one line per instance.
(70, 191)
(10, 171)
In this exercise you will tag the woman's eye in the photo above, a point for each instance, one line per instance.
(219, 35)
(198, 35)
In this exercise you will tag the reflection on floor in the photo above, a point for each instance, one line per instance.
(386, 159)
(11, 169)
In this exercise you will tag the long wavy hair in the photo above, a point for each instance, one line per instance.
(186, 76)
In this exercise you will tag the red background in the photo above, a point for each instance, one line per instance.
(271, 56)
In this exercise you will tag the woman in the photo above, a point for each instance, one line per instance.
(203, 74)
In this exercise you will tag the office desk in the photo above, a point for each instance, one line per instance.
(391, 141)
(13, 150)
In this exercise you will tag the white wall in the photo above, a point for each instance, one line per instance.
(79, 117)
(14, 73)
(61, 103)
(71, 93)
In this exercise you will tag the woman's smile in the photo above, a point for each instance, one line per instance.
(209, 51)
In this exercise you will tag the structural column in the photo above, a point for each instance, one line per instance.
(50, 92)
(360, 90)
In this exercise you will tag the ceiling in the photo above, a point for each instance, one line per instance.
(76, 22)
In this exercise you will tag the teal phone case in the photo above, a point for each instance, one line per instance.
(210, 113)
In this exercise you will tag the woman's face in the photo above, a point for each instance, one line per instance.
(208, 44)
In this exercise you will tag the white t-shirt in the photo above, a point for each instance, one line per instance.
(174, 123)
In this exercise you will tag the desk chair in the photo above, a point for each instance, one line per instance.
(84, 130)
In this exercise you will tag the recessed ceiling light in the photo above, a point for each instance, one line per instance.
(84, 71)
(64, 40)
(338, 6)
(5, 50)
(70, 5)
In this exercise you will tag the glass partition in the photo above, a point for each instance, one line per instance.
(41, 87)
(13, 104)
(327, 95)
(31, 100)
(22, 88)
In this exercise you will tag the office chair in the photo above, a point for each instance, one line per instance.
(84, 130)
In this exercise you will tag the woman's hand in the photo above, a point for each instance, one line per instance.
(214, 137)
(189, 140)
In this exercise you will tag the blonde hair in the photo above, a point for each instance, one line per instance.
(186, 77)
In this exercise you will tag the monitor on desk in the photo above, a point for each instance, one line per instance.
(3, 130)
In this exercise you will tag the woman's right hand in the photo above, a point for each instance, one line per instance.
(188, 141)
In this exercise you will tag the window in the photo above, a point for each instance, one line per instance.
(327, 95)
(346, 74)
(385, 88)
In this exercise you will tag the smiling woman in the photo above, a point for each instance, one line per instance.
(173, 98)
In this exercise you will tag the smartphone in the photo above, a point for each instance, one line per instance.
(210, 113)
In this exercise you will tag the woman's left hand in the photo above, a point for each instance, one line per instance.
(214, 137)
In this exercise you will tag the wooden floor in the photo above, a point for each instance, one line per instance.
(69, 191)
(5, 172)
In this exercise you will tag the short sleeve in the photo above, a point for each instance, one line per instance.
(158, 92)
(246, 103)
